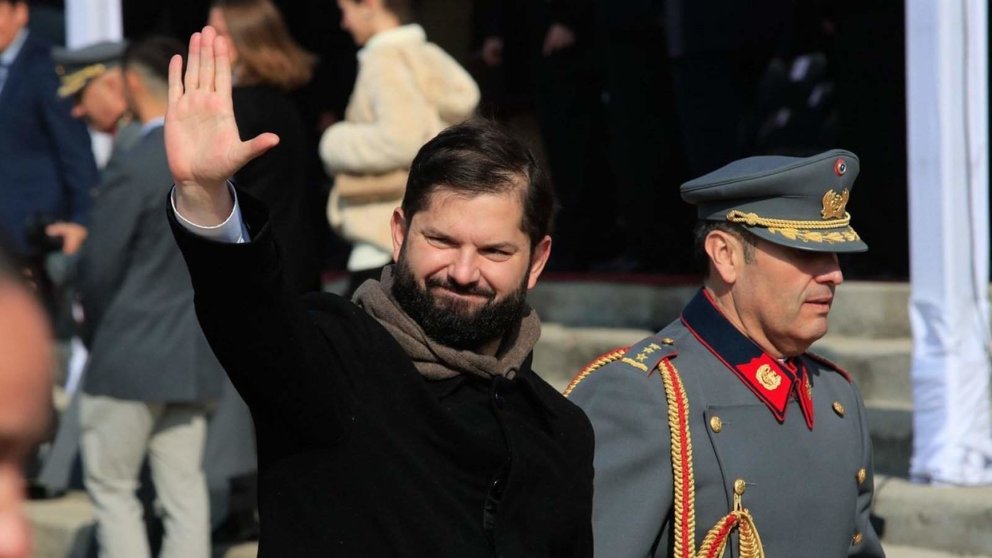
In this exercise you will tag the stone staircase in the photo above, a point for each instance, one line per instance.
(582, 319)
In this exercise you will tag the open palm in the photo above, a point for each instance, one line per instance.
(201, 135)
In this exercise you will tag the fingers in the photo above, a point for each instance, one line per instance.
(175, 79)
(222, 78)
(193, 63)
(207, 37)
(257, 146)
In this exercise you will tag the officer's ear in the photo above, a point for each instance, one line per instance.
(726, 254)
(398, 227)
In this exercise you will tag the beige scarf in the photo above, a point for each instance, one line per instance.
(435, 361)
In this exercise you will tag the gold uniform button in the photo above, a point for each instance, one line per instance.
(716, 424)
(739, 487)
(838, 408)
(862, 475)
(856, 539)
(668, 341)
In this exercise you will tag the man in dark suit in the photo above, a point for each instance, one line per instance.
(151, 376)
(48, 168)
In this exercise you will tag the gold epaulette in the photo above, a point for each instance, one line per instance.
(597, 363)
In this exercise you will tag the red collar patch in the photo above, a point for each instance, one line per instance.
(771, 381)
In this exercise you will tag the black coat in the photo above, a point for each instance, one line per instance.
(359, 455)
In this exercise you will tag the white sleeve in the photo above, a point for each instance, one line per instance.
(232, 230)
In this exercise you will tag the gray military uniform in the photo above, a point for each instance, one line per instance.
(804, 485)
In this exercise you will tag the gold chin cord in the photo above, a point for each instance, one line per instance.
(715, 543)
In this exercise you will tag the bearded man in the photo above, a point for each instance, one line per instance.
(410, 423)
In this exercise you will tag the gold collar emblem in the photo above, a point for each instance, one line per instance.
(768, 378)
(834, 204)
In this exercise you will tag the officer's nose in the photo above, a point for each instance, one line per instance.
(830, 272)
(464, 269)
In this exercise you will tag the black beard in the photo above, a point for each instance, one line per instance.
(454, 323)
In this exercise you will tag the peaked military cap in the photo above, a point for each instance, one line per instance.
(799, 202)
(76, 67)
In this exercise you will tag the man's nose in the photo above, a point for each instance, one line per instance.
(831, 272)
(464, 270)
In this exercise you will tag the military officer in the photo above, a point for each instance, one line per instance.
(723, 431)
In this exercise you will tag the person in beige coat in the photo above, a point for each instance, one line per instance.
(407, 90)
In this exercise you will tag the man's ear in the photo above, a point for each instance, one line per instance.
(22, 14)
(538, 260)
(129, 79)
(398, 230)
(726, 255)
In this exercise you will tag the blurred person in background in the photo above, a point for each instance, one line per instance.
(407, 90)
(151, 377)
(268, 63)
(55, 169)
(26, 363)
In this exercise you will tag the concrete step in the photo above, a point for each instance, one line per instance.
(861, 308)
(880, 366)
(65, 528)
(948, 519)
(562, 351)
(900, 551)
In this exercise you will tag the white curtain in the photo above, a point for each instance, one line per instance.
(947, 97)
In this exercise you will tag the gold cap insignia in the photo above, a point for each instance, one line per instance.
(834, 204)
(768, 378)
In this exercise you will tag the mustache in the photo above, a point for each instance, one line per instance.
(476, 290)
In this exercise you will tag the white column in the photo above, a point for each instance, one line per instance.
(89, 21)
(947, 98)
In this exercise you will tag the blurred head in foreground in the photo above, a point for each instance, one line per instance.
(25, 395)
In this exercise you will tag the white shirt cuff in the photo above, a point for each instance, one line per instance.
(232, 230)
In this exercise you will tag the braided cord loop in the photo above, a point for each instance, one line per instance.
(755, 220)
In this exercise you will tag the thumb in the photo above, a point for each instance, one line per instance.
(256, 146)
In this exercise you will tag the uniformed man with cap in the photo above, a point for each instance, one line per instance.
(723, 431)
(92, 77)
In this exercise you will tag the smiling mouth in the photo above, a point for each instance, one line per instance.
(462, 295)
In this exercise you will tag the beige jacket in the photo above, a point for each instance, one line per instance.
(406, 92)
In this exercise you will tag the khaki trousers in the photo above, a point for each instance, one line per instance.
(117, 434)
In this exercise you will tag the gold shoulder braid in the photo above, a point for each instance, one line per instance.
(600, 361)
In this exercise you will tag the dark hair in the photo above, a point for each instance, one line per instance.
(152, 55)
(480, 157)
(403, 9)
(701, 260)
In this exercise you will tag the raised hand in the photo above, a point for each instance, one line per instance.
(201, 135)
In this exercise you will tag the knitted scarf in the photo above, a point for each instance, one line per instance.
(434, 360)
